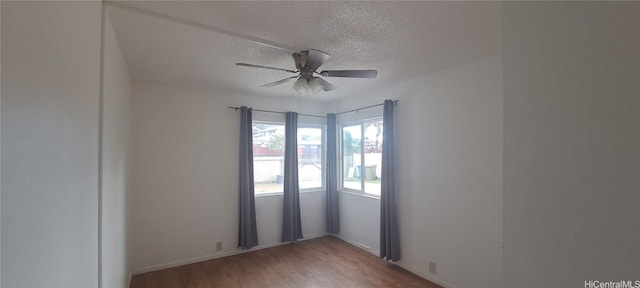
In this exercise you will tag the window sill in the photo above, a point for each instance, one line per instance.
(313, 191)
(280, 193)
(362, 194)
(269, 194)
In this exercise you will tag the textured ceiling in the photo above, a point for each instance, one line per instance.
(197, 43)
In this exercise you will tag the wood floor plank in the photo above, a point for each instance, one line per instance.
(322, 262)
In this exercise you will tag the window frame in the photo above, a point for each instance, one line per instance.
(263, 194)
(323, 159)
(341, 174)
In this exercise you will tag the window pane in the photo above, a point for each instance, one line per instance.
(372, 156)
(310, 158)
(268, 157)
(351, 157)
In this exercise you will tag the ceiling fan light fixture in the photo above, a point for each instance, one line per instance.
(306, 86)
(301, 85)
(315, 85)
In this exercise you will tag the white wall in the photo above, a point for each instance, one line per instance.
(572, 163)
(186, 175)
(0, 148)
(50, 104)
(449, 174)
(116, 109)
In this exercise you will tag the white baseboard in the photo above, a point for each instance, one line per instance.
(403, 266)
(216, 255)
(429, 277)
(129, 281)
(357, 244)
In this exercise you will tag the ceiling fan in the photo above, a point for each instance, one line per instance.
(307, 62)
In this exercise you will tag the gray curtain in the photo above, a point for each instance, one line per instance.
(389, 233)
(291, 221)
(333, 215)
(248, 233)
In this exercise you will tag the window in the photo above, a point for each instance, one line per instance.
(268, 157)
(310, 158)
(362, 156)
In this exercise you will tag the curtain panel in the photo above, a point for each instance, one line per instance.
(291, 220)
(389, 232)
(248, 232)
(333, 214)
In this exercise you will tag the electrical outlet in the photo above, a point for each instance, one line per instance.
(218, 246)
(432, 267)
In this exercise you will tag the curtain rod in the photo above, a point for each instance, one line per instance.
(318, 116)
(362, 108)
(278, 112)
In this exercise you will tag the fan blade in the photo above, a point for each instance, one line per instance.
(285, 80)
(350, 73)
(265, 67)
(326, 86)
(315, 58)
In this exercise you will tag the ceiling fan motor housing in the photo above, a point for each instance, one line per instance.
(301, 60)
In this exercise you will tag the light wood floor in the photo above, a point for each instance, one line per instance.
(321, 262)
